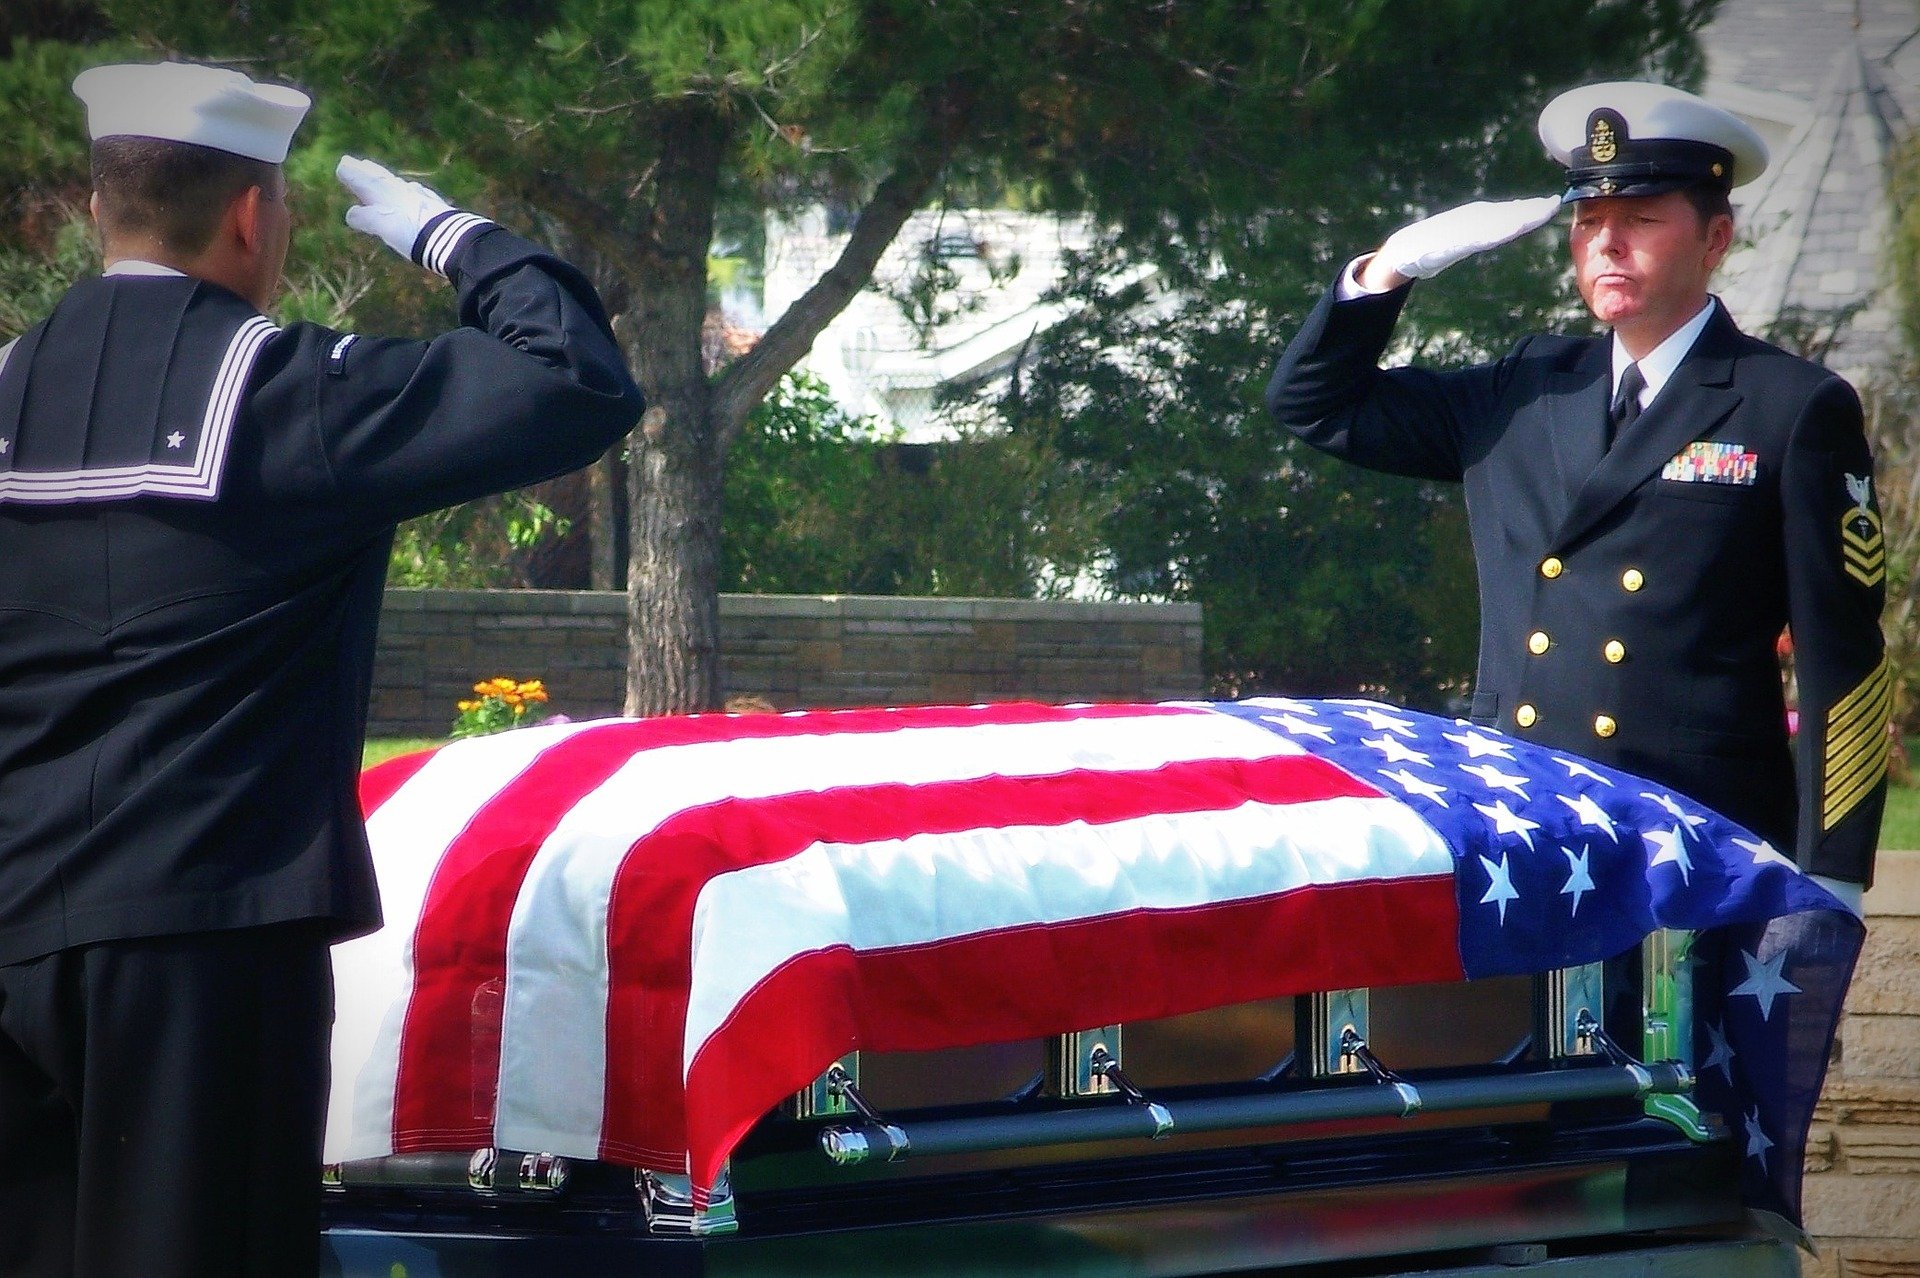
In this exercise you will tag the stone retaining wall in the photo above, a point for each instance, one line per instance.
(1863, 1156)
(794, 650)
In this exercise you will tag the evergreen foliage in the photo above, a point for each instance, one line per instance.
(1238, 146)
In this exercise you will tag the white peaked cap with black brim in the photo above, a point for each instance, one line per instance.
(1629, 137)
(187, 102)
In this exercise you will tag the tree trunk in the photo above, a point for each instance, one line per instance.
(607, 520)
(674, 471)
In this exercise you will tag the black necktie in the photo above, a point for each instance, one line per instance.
(1626, 403)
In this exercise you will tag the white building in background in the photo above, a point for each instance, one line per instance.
(1834, 87)
(896, 346)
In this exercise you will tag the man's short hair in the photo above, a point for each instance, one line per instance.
(1708, 199)
(175, 192)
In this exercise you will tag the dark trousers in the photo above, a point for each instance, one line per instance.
(161, 1106)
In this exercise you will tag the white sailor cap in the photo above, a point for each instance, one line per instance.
(1627, 137)
(187, 102)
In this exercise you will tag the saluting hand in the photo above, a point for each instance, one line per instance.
(1432, 244)
(391, 208)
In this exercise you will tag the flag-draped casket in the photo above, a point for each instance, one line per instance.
(627, 940)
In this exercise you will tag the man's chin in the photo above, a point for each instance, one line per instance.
(1613, 310)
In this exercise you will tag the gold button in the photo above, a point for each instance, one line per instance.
(1632, 579)
(1616, 651)
(1551, 567)
(1604, 726)
(1537, 642)
(1526, 716)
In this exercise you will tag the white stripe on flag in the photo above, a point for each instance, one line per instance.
(409, 834)
(937, 887)
(553, 1037)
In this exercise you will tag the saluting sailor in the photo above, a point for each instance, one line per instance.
(1650, 507)
(196, 506)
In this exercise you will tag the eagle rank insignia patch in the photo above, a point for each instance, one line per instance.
(1707, 462)
(1862, 544)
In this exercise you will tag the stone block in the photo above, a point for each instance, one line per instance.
(1881, 1047)
(1878, 1260)
(1871, 1150)
(1896, 886)
(1887, 980)
(1865, 1207)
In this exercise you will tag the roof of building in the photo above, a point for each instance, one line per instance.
(1815, 229)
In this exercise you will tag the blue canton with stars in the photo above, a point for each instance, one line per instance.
(1560, 861)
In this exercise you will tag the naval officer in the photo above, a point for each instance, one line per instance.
(1648, 507)
(196, 506)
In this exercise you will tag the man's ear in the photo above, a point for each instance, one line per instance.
(1719, 238)
(243, 217)
(93, 207)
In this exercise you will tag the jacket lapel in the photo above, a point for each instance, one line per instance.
(1576, 404)
(1695, 400)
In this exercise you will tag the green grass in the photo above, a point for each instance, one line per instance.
(1900, 828)
(380, 749)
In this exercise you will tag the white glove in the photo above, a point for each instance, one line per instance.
(1851, 894)
(1432, 244)
(391, 208)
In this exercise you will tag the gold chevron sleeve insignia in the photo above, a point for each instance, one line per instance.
(1863, 548)
(1856, 745)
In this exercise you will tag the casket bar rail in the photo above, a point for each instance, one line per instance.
(1134, 1117)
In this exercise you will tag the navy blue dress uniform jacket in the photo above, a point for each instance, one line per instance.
(196, 510)
(1631, 598)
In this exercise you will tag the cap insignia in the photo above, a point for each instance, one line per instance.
(1601, 142)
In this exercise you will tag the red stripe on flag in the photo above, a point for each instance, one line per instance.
(1136, 966)
(449, 1061)
(650, 914)
(378, 783)
(450, 1041)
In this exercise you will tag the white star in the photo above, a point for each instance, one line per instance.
(1378, 720)
(176, 439)
(1500, 890)
(1300, 727)
(1579, 878)
(1575, 768)
(1287, 704)
(1477, 744)
(1764, 853)
(1672, 805)
(1721, 1057)
(1494, 779)
(1397, 752)
(1757, 1142)
(1589, 813)
(1764, 981)
(1507, 821)
(1673, 850)
(1414, 785)
(5, 444)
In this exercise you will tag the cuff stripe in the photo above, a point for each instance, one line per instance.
(445, 238)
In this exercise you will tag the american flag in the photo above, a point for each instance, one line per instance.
(629, 939)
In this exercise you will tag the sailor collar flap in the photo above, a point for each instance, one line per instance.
(132, 387)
